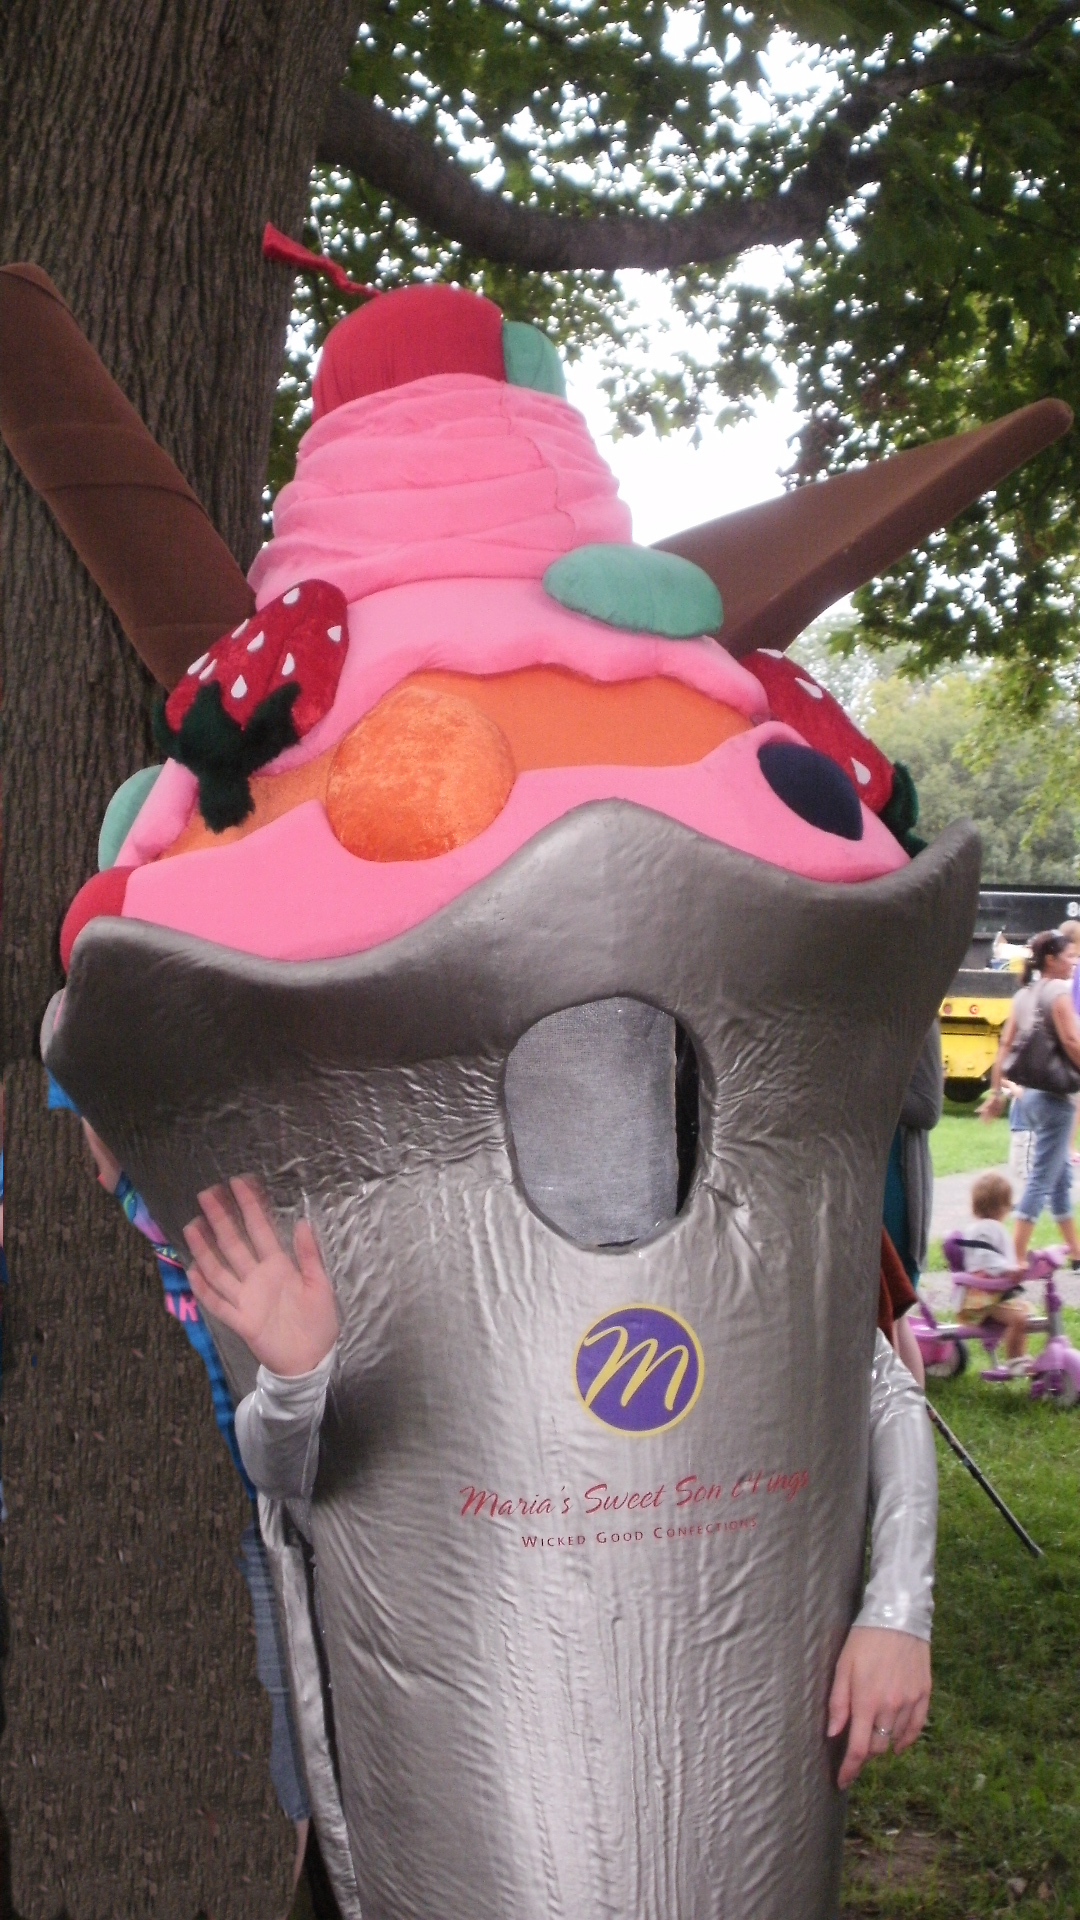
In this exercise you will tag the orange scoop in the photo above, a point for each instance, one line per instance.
(536, 717)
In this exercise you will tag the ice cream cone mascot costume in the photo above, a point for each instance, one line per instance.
(471, 811)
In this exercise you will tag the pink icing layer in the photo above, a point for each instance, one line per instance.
(449, 477)
(436, 508)
(292, 892)
(164, 813)
(462, 626)
(498, 626)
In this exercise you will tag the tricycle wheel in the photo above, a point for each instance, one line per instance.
(1067, 1392)
(952, 1362)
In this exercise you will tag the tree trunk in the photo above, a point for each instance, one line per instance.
(145, 148)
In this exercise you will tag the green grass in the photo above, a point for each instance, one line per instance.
(991, 1792)
(962, 1143)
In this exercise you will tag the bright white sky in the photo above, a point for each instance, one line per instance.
(669, 483)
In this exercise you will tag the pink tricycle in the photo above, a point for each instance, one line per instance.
(1054, 1373)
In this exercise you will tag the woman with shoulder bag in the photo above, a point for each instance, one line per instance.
(1040, 1050)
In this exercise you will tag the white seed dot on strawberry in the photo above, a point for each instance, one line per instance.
(237, 631)
(862, 774)
(254, 645)
(809, 687)
(198, 665)
(207, 671)
(334, 634)
(290, 599)
(238, 688)
(288, 665)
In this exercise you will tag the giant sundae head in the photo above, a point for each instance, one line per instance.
(470, 812)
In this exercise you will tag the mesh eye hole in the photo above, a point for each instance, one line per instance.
(602, 1111)
(813, 786)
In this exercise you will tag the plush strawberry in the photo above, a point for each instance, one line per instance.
(795, 697)
(255, 692)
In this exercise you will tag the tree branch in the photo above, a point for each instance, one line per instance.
(1058, 16)
(397, 158)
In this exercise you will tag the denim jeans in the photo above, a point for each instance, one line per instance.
(1050, 1117)
(286, 1766)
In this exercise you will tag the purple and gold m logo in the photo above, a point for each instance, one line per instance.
(639, 1369)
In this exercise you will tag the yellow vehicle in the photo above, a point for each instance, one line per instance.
(971, 1021)
(977, 1004)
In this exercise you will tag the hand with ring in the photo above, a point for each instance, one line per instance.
(880, 1693)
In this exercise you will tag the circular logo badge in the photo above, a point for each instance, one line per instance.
(639, 1369)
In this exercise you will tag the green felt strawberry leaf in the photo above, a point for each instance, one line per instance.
(222, 753)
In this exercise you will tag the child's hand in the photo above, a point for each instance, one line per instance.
(880, 1692)
(285, 1310)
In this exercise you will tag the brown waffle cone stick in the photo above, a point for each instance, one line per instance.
(780, 564)
(128, 512)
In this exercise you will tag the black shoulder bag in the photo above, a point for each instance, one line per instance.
(1039, 1060)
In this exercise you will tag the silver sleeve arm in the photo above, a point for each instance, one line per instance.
(277, 1429)
(903, 1501)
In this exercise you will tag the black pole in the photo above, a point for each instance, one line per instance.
(976, 1473)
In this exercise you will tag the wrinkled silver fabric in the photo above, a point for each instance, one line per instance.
(277, 1427)
(579, 1667)
(903, 1501)
(289, 1573)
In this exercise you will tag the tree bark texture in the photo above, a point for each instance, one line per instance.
(145, 146)
(135, 1759)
